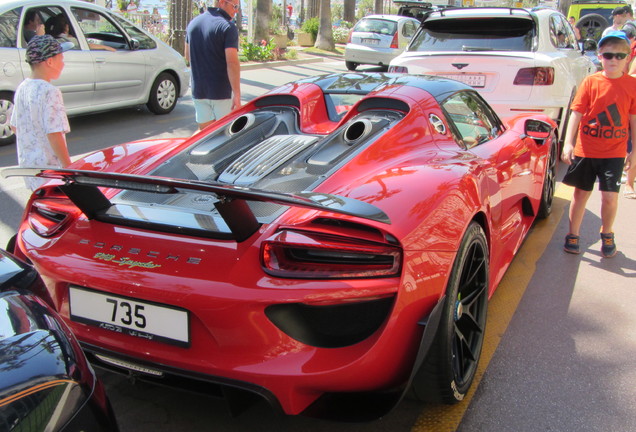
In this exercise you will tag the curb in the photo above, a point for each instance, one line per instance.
(272, 64)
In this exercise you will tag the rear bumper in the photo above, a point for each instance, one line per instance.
(366, 55)
(184, 77)
(290, 383)
(238, 395)
(507, 109)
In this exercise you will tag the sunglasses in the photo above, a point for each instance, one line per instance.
(235, 6)
(610, 56)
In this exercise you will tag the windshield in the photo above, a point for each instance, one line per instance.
(474, 34)
(378, 26)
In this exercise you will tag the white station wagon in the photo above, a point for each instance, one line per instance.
(520, 60)
(141, 69)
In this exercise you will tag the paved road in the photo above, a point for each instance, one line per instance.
(560, 352)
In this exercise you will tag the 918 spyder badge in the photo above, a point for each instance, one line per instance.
(125, 261)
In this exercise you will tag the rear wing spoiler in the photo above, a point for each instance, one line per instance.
(82, 188)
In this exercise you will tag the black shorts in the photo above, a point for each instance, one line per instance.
(583, 172)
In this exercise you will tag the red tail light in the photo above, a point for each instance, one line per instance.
(535, 76)
(394, 42)
(317, 256)
(349, 38)
(48, 217)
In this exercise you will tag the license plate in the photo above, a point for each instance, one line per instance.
(130, 316)
(473, 80)
(370, 41)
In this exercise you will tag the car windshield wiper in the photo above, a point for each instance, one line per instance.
(474, 48)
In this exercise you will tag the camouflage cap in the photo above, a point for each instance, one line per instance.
(43, 47)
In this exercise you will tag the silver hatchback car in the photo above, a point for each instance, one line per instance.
(140, 70)
(377, 39)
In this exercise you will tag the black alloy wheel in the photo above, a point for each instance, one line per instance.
(549, 182)
(448, 371)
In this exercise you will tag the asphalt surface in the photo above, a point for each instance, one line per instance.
(567, 361)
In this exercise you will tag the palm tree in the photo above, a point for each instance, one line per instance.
(324, 40)
(180, 16)
(349, 13)
(313, 9)
(378, 7)
(261, 21)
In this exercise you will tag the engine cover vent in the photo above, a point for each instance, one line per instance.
(264, 158)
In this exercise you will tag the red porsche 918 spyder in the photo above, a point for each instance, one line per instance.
(330, 246)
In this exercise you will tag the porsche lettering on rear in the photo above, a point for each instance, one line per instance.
(134, 251)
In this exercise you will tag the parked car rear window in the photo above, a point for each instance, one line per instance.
(474, 34)
(379, 26)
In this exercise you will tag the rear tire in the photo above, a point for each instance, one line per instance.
(163, 94)
(549, 183)
(351, 65)
(7, 136)
(448, 371)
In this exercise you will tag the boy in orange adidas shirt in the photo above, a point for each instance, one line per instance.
(603, 113)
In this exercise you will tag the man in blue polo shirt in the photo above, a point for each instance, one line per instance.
(212, 50)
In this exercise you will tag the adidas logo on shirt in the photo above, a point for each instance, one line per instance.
(606, 125)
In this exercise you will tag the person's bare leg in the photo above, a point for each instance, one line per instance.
(609, 206)
(629, 182)
(206, 124)
(577, 209)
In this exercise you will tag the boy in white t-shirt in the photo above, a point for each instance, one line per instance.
(39, 118)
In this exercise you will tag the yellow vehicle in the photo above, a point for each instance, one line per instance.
(593, 16)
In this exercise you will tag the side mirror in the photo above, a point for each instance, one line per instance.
(538, 130)
(134, 44)
(589, 45)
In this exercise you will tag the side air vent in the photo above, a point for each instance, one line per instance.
(277, 100)
(264, 158)
(376, 103)
(356, 130)
(241, 123)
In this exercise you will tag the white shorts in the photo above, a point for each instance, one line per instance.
(207, 110)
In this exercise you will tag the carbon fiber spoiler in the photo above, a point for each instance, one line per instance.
(82, 188)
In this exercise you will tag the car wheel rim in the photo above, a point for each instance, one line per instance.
(470, 314)
(5, 116)
(166, 94)
(550, 177)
